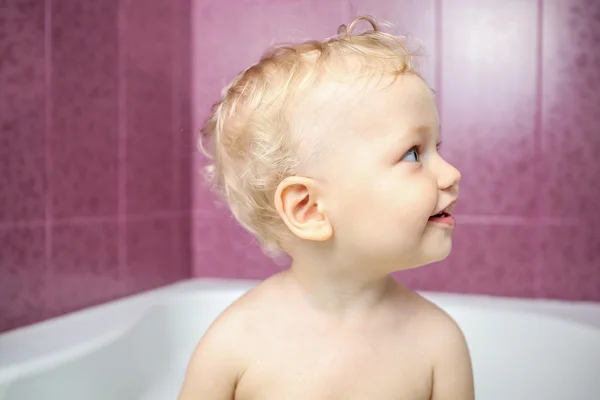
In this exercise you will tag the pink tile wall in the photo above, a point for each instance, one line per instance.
(519, 92)
(95, 148)
(95, 152)
(569, 142)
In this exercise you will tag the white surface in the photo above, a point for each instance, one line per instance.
(138, 348)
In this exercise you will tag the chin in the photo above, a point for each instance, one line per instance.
(443, 253)
(437, 248)
(427, 254)
(440, 253)
(425, 259)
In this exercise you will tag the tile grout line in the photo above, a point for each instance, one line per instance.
(195, 157)
(463, 219)
(537, 139)
(153, 216)
(438, 53)
(122, 143)
(175, 122)
(48, 201)
(516, 220)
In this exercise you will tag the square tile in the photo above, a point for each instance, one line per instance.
(571, 263)
(22, 116)
(85, 269)
(150, 47)
(488, 104)
(150, 261)
(22, 277)
(66, 293)
(90, 248)
(85, 108)
(571, 100)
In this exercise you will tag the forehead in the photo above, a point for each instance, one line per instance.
(364, 104)
(394, 106)
(353, 114)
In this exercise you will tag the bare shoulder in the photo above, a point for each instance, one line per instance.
(221, 357)
(446, 346)
(436, 324)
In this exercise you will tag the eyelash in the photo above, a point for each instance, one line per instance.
(414, 149)
(418, 151)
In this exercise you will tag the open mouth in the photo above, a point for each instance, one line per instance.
(444, 217)
(442, 214)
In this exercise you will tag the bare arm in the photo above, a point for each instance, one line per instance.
(214, 367)
(452, 373)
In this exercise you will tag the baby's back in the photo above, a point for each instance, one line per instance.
(272, 344)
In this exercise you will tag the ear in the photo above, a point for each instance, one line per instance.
(298, 204)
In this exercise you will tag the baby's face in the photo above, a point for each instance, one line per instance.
(385, 178)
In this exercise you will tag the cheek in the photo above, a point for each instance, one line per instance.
(352, 208)
(419, 199)
(377, 207)
(409, 198)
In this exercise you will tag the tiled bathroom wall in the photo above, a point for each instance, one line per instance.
(95, 149)
(518, 86)
(96, 143)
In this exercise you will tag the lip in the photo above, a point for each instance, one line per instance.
(449, 205)
(447, 221)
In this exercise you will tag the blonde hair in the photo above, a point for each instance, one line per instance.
(251, 136)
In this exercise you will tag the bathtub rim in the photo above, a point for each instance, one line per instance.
(103, 323)
(107, 321)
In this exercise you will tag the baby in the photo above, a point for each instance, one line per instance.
(328, 151)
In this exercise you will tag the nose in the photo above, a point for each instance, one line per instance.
(448, 175)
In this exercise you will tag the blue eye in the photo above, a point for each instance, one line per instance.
(412, 155)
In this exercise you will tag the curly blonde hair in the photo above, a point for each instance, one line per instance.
(253, 137)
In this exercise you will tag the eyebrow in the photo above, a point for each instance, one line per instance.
(429, 130)
(423, 129)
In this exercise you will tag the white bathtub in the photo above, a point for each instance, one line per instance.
(138, 347)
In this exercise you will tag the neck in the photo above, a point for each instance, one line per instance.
(339, 290)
